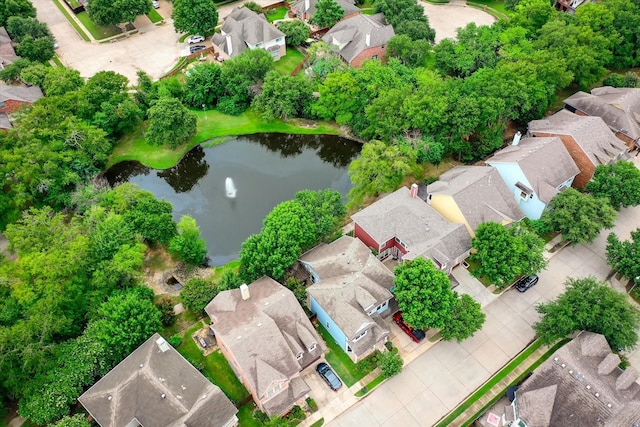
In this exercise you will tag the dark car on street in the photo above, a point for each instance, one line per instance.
(526, 282)
(415, 334)
(196, 48)
(329, 376)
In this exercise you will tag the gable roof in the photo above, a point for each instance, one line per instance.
(545, 162)
(352, 282)
(350, 34)
(425, 232)
(618, 107)
(309, 6)
(480, 193)
(590, 133)
(265, 334)
(244, 27)
(19, 92)
(7, 53)
(157, 388)
(580, 385)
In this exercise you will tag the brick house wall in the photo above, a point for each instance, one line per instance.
(379, 51)
(11, 105)
(587, 168)
(629, 142)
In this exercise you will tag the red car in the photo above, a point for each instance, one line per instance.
(416, 334)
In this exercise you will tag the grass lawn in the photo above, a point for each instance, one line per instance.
(473, 266)
(154, 16)
(211, 124)
(245, 416)
(73, 23)
(289, 62)
(495, 4)
(318, 423)
(366, 4)
(367, 388)
(97, 31)
(368, 11)
(183, 320)
(216, 367)
(350, 372)
(276, 14)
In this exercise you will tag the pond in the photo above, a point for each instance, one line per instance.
(266, 169)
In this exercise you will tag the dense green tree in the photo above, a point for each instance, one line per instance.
(322, 61)
(188, 246)
(34, 74)
(532, 15)
(145, 92)
(407, 18)
(77, 420)
(626, 21)
(114, 12)
(11, 73)
(629, 79)
(204, 85)
(197, 293)
(9, 8)
(251, 5)
(194, 16)
(240, 75)
(623, 255)
(423, 293)
(325, 209)
(296, 31)
(60, 80)
(417, 29)
(475, 47)
(466, 319)
(619, 183)
(504, 254)
(284, 97)
(328, 12)
(380, 167)
(411, 53)
(390, 363)
(579, 217)
(170, 123)
(589, 305)
(40, 50)
(19, 27)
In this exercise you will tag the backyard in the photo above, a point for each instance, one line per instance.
(289, 62)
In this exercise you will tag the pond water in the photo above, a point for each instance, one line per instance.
(266, 169)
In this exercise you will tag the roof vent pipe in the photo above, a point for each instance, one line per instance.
(244, 291)
(414, 190)
(516, 138)
(367, 39)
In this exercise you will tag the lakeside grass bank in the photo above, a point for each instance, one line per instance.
(211, 124)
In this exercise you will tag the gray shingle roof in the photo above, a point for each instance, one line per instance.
(244, 26)
(618, 107)
(301, 6)
(591, 133)
(20, 92)
(7, 53)
(351, 34)
(135, 389)
(352, 282)
(480, 193)
(417, 224)
(258, 332)
(557, 395)
(545, 162)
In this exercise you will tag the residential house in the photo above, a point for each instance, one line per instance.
(268, 340)
(535, 170)
(349, 295)
(618, 107)
(403, 226)
(569, 6)
(588, 140)
(305, 9)
(7, 53)
(156, 387)
(360, 37)
(244, 29)
(14, 97)
(472, 195)
(579, 385)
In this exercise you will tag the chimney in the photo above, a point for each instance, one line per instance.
(626, 378)
(414, 190)
(516, 138)
(306, 6)
(229, 46)
(244, 291)
(367, 39)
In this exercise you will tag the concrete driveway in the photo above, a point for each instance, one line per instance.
(446, 18)
(448, 372)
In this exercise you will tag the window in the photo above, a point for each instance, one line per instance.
(279, 40)
(313, 347)
(259, 44)
(274, 390)
(383, 245)
(327, 324)
(360, 336)
(300, 355)
(374, 57)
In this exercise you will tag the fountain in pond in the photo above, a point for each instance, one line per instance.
(230, 188)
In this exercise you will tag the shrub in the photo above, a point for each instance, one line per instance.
(175, 340)
(167, 316)
(390, 364)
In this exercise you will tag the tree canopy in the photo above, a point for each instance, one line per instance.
(188, 246)
(619, 183)
(328, 12)
(589, 305)
(623, 255)
(170, 123)
(466, 318)
(579, 217)
(114, 12)
(506, 253)
(284, 97)
(295, 30)
(194, 16)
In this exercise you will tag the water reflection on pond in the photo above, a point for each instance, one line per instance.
(266, 170)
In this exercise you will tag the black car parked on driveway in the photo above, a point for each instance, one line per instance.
(526, 282)
(329, 376)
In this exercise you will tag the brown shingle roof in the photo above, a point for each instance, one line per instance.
(158, 388)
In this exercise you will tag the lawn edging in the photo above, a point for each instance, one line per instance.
(370, 386)
(73, 23)
(496, 13)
